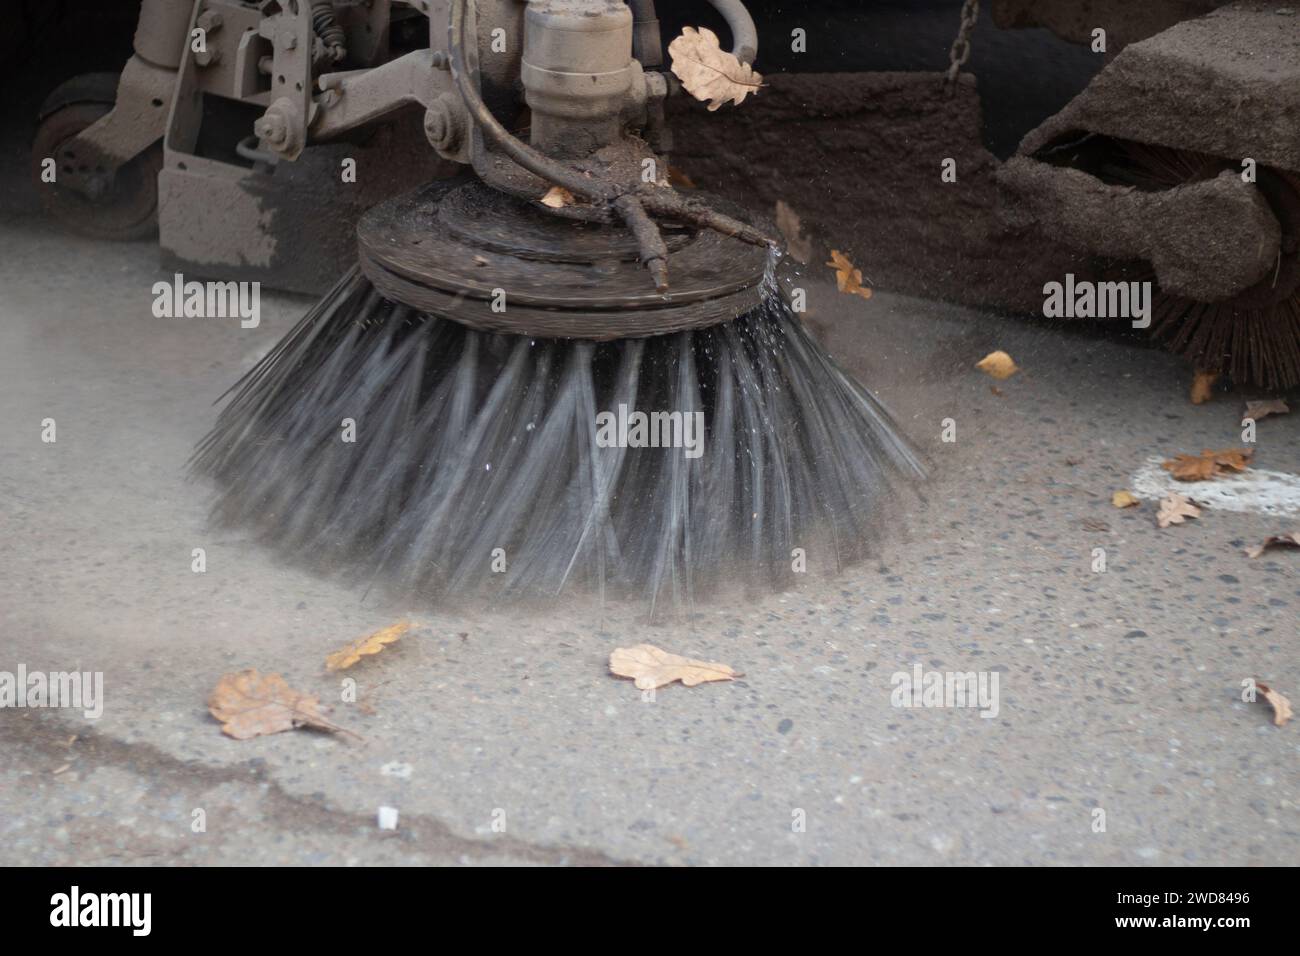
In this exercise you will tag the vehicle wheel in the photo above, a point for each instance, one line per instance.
(128, 208)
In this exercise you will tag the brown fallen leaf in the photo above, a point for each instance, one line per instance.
(1124, 499)
(1203, 386)
(796, 243)
(556, 197)
(709, 72)
(1291, 540)
(651, 667)
(1281, 706)
(1273, 406)
(998, 364)
(345, 657)
(1236, 459)
(1208, 464)
(250, 704)
(1175, 510)
(1191, 467)
(679, 178)
(847, 278)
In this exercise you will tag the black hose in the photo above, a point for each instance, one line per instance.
(523, 154)
(647, 44)
(661, 202)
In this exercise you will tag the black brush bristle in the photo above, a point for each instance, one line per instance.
(467, 442)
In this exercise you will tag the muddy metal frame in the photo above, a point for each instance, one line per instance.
(269, 72)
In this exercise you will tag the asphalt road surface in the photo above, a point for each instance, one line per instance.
(498, 734)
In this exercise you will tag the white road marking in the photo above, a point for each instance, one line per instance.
(1257, 490)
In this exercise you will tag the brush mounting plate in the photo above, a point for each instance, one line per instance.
(497, 263)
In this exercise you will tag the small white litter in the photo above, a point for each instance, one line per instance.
(388, 818)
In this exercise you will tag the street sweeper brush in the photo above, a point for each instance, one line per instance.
(1180, 167)
(499, 402)
(1253, 335)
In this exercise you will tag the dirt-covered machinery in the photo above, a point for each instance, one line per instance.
(219, 134)
(1180, 165)
(255, 134)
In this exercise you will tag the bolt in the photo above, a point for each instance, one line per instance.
(209, 21)
(445, 123)
(437, 125)
(207, 57)
(272, 128)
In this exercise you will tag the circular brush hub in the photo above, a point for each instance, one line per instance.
(462, 250)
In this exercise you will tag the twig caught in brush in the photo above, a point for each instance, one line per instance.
(671, 205)
(654, 252)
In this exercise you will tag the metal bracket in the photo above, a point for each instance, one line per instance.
(90, 160)
(355, 97)
(283, 127)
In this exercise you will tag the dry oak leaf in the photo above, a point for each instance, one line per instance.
(1191, 467)
(998, 364)
(1203, 387)
(1236, 459)
(1258, 410)
(709, 72)
(1208, 464)
(250, 704)
(556, 197)
(796, 243)
(345, 657)
(1124, 499)
(651, 667)
(1275, 541)
(847, 278)
(1175, 510)
(1281, 706)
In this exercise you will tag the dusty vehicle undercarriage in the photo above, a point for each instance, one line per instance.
(247, 136)
(603, 478)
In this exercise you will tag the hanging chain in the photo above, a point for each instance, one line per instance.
(960, 51)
